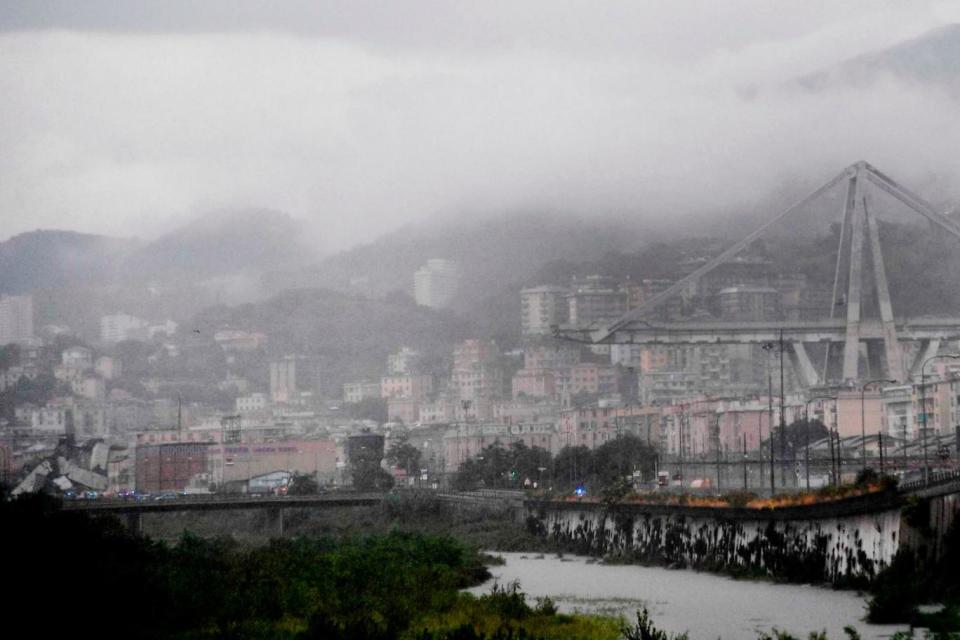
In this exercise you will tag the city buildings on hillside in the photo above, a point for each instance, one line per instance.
(108, 367)
(750, 304)
(403, 409)
(121, 326)
(592, 426)
(477, 373)
(542, 308)
(743, 270)
(362, 390)
(406, 361)
(253, 403)
(899, 417)
(77, 357)
(595, 299)
(550, 355)
(295, 379)
(416, 387)
(437, 283)
(235, 340)
(465, 441)
(640, 292)
(16, 319)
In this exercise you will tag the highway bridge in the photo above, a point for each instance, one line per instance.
(859, 322)
(132, 509)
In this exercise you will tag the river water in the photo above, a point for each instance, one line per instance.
(706, 606)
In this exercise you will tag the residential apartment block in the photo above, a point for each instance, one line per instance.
(543, 307)
(437, 283)
(16, 319)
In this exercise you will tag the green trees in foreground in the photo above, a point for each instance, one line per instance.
(89, 575)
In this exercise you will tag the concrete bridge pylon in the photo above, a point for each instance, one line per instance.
(852, 338)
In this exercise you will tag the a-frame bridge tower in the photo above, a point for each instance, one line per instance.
(848, 335)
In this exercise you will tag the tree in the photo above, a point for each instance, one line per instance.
(303, 484)
(468, 476)
(405, 456)
(621, 457)
(365, 454)
(798, 431)
(370, 478)
(572, 465)
(9, 355)
(527, 462)
(491, 468)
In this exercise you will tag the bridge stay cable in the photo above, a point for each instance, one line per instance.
(859, 233)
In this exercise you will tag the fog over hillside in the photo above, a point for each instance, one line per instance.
(359, 126)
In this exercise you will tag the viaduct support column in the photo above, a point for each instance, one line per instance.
(851, 346)
(135, 522)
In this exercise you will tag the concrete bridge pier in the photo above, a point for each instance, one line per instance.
(135, 522)
(275, 520)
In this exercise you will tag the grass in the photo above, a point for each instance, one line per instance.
(487, 617)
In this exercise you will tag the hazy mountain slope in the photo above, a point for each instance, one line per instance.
(221, 243)
(49, 259)
(932, 59)
(76, 278)
(349, 336)
(491, 252)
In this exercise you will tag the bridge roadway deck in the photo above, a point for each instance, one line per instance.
(942, 483)
(719, 332)
(249, 501)
(220, 502)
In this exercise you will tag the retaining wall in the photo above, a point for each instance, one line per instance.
(838, 545)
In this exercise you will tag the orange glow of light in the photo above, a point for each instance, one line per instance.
(721, 502)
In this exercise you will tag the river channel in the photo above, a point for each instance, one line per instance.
(706, 606)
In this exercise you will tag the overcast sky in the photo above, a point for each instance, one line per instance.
(128, 118)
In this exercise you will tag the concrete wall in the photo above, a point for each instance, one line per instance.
(838, 549)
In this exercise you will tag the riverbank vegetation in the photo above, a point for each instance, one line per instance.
(915, 579)
(91, 575)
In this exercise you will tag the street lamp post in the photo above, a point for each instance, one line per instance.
(680, 425)
(760, 445)
(744, 461)
(769, 347)
(806, 419)
(923, 406)
(863, 428)
(718, 451)
(783, 422)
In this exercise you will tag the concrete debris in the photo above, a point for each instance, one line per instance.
(99, 456)
(35, 479)
(82, 476)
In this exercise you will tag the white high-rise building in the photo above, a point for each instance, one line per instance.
(283, 379)
(16, 319)
(436, 283)
(121, 326)
(542, 307)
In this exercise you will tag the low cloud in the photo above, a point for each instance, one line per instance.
(130, 133)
